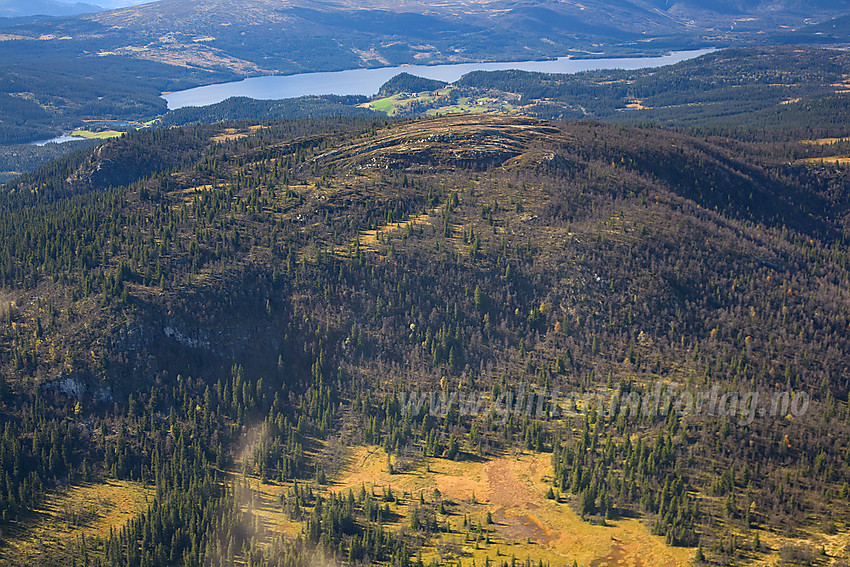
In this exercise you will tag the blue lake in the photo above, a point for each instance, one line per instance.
(56, 140)
(368, 81)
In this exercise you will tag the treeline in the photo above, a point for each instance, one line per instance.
(22, 158)
(607, 476)
(242, 108)
(407, 83)
(821, 117)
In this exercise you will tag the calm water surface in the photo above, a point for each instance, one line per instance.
(56, 140)
(368, 81)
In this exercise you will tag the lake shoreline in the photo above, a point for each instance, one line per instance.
(367, 81)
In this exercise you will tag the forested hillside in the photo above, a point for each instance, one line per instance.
(224, 315)
(725, 87)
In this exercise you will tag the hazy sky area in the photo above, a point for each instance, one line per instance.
(118, 3)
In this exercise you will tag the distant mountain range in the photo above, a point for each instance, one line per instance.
(416, 18)
(20, 8)
(252, 37)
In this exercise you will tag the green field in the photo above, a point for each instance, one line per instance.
(103, 135)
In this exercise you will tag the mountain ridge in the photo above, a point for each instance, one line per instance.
(321, 269)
